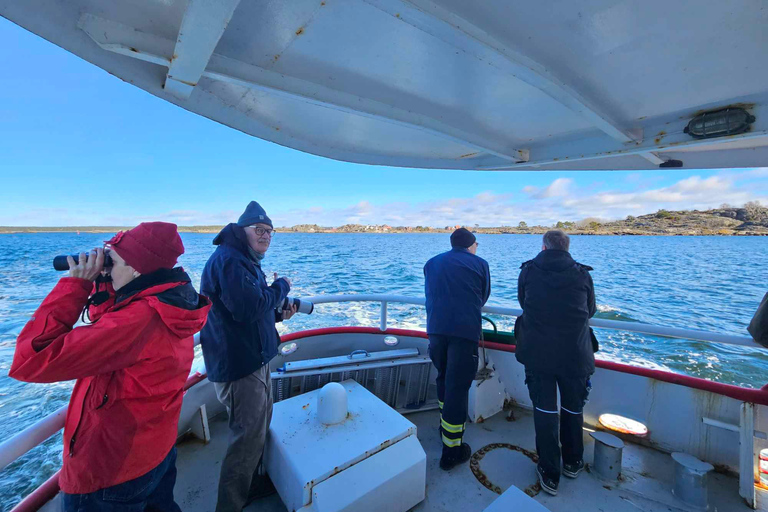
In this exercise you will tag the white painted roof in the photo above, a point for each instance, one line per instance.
(582, 84)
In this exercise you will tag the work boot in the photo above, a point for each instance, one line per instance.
(573, 470)
(547, 484)
(455, 457)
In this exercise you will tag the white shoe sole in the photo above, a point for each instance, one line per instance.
(543, 486)
(572, 475)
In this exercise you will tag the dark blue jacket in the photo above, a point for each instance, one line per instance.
(457, 284)
(558, 299)
(240, 335)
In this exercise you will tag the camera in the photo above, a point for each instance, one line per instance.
(302, 306)
(60, 262)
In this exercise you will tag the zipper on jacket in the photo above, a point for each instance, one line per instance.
(79, 421)
(103, 401)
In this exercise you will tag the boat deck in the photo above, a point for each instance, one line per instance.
(647, 474)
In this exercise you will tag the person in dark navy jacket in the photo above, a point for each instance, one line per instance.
(554, 343)
(457, 284)
(238, 342)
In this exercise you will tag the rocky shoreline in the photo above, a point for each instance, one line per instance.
(751, 220)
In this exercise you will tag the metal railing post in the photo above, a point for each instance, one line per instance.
(383, 325)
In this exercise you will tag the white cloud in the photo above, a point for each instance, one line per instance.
(558, 188)
(561, 200)
(694, 192)
(485, 209)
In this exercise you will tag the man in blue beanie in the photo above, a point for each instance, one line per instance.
(238, 342)
(457, 285)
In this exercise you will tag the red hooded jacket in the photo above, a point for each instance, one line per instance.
(131, 364)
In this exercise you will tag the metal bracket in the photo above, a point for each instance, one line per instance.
(200, 427)
(746, 454)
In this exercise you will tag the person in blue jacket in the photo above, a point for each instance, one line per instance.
(238, 342)
(457, 285)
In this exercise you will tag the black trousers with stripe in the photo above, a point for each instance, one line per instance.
(574, 392)
(456, 362)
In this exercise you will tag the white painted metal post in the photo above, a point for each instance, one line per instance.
(747, 454)
(383, 325)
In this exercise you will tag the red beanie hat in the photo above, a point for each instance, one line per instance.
(149, 246)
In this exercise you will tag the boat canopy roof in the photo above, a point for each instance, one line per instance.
(489, 85)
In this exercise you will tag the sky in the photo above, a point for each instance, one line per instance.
(81, 147)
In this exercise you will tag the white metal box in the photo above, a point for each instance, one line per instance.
(371, 461)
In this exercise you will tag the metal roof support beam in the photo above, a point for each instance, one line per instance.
(759, 136)
(203, 25)
(653, 158)
(125, 40)
(655, 150)
(443, 24)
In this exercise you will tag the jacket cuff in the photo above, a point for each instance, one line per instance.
(75, 283)
(282, 284)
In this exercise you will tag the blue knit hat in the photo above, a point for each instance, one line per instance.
(254, 214)
(462, 238)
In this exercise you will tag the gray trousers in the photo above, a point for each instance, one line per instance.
(249, 404)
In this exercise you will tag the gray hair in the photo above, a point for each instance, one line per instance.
(556, 239)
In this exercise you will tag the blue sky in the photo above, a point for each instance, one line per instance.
(81, 147)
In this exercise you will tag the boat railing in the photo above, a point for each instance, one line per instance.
(618, 325)
(32, 436)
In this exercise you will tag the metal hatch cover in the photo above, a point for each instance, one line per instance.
(301, 452)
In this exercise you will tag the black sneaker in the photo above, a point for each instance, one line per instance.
(573, 470)
(547, 484)
(462, 455)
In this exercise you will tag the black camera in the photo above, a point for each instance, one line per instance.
(60, 262)
(302, 306)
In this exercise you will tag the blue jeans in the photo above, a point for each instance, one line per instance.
(150, 492)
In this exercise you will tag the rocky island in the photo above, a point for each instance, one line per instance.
(749, 220)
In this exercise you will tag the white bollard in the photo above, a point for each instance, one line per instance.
(608, 454)
(332, 404)
(691, 480)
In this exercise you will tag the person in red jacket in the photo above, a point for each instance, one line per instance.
(130, 363)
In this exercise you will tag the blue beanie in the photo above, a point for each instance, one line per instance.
(462, 238)
(254, 214)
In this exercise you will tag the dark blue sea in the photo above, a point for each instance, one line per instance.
(707, 283)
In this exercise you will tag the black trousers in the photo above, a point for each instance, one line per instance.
(574, 392)
(456, 362)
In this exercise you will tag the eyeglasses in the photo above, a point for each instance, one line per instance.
(260, 231)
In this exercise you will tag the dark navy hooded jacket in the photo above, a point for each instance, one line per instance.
(457, 284)
(240, 335)
(558, 299)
